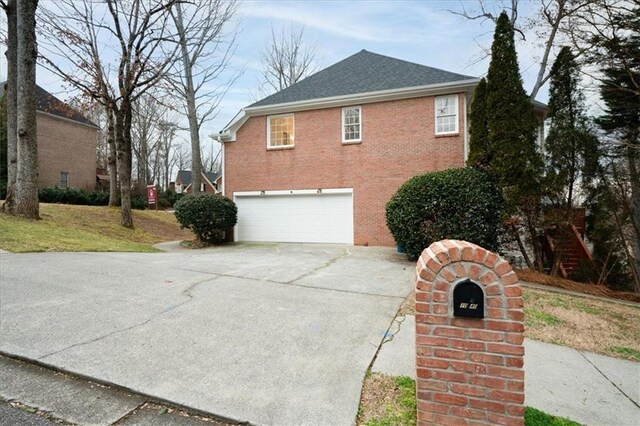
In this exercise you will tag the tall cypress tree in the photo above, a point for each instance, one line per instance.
(571, 148)
(478, 130)
(515, 163)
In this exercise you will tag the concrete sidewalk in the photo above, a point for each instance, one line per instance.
(589, 388)
(270, 334)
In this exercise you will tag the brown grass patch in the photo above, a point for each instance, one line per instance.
(595, 290)
(387, 400)
(606, 328)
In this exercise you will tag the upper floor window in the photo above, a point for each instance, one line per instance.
(64, 180)
(351, 124)
(446, 114)
(280, 131)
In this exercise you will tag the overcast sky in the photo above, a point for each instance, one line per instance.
(424, 32)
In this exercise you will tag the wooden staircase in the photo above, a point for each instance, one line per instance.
(568, 243)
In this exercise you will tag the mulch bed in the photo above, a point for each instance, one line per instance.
(595, 290)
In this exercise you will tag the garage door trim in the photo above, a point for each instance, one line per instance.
(294, 192)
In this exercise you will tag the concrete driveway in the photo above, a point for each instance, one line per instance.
(270, 334)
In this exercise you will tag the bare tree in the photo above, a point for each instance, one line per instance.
(544, 27)
(10, 8)
(206, 44)
(146, 114)
(78, 30)
(167, 129)
(211, 161)
(182, 157)
(27, 204)
(286, 60)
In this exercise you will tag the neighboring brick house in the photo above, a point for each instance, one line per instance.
(66, 143)
(209, 182)
(318, 161)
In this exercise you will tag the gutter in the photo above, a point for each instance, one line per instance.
(228, 134)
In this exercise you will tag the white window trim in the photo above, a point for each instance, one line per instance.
(269, 117)
(435, 112)
(349, 141)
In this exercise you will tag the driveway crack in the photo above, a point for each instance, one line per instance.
(389, 335)
(609, 380)
(186, 292)
(326, 265)
(294, 284)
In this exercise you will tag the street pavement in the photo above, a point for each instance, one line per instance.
(585, 387)
(270, 334)
(40, 396)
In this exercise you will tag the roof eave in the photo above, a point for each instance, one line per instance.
(69, 120)
(229, 132)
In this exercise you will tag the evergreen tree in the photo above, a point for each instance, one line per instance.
(620, 90)
(515, 163)
(571, 148)
(478, 131)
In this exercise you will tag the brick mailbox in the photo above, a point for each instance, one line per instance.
(469, 336)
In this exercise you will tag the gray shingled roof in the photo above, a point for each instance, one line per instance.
(185, 176)
(361, 73)
(46, 102)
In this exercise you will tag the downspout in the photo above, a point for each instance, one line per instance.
(466, 131)
(224, 178)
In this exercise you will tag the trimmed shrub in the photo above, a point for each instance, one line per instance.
(207, 215)
(83, 197)
(461, 204)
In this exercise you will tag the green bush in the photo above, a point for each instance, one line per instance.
(82, 197)
(207, 215)
(172, 197)
(460, 204)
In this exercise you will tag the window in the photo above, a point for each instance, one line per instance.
(351, 124)
(446, 115)
(280, 131)
(64, 180)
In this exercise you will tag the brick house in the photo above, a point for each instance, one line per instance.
(209, 182)
(318, 161)
(66, 143)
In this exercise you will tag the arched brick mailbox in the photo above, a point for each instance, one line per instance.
(469, 335)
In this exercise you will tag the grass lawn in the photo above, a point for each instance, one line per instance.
(607, 328)
(391, 401)
(87, 228)
(591, 325)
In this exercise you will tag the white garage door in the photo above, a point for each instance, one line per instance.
(302, 216)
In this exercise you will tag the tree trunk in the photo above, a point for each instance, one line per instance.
(12, 124)
(113, 163)
(27, 175)
(123, 148)
(196, 161)
(633, 156)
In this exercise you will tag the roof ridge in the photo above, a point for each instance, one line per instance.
(409, 62)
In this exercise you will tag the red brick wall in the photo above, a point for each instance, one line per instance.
(64, 146)
(398, 142)
(470, 370)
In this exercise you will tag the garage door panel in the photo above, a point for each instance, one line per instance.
(313, 218)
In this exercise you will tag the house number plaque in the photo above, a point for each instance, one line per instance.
(468, 300)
